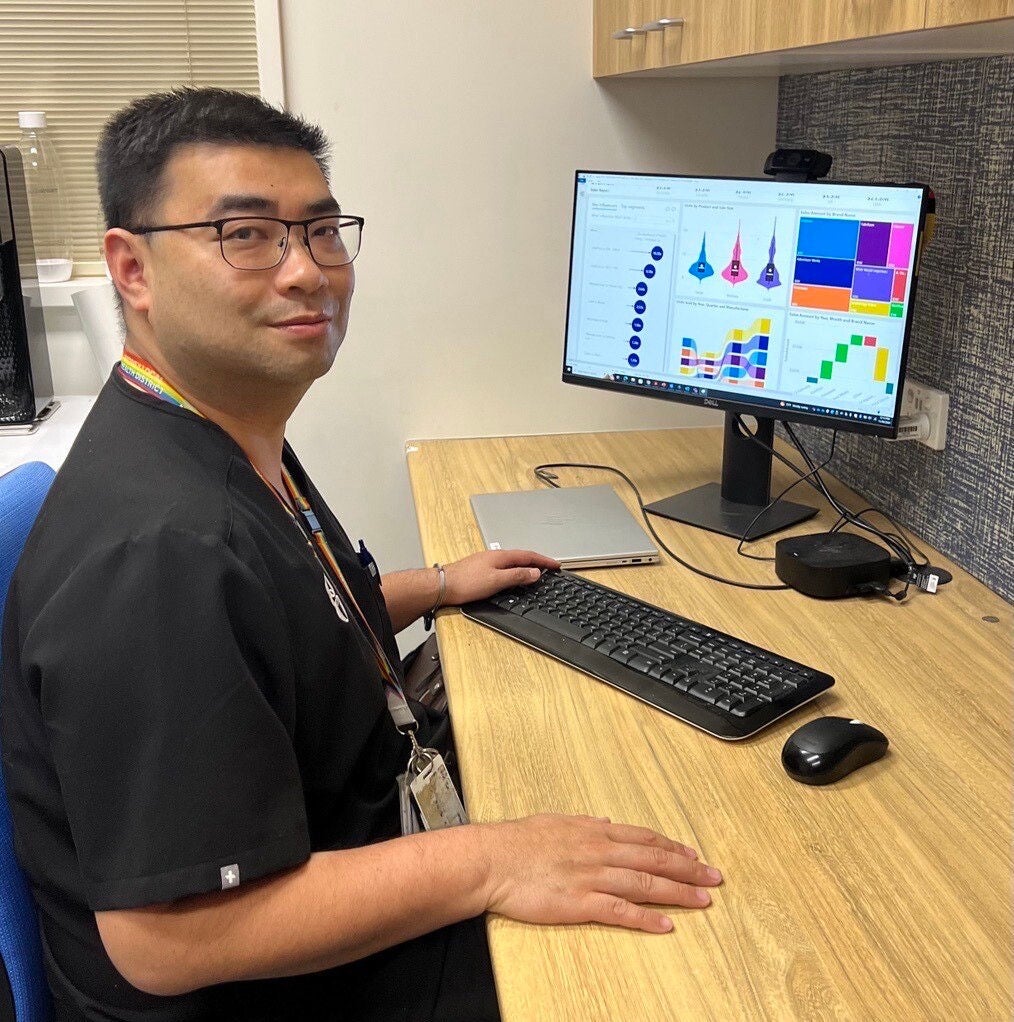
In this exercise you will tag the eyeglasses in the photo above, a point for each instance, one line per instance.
(260, 243)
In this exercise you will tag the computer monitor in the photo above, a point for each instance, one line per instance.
(781, 300)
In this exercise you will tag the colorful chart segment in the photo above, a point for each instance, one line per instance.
(841, 356)
(858, 266)
(743, 360)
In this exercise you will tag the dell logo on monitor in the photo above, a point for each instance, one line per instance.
(711, 402)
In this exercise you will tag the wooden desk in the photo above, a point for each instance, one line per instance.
(882, 897)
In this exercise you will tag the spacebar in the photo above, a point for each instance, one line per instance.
(557, 624)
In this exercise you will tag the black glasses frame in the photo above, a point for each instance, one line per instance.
(344, 220)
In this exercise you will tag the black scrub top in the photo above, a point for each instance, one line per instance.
(185, 709)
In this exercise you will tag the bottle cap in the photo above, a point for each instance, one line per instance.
(31, 118)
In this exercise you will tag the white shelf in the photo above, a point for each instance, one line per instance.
(56, 296)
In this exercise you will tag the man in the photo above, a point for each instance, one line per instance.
(197, 744)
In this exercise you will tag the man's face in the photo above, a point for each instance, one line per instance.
(278, 326)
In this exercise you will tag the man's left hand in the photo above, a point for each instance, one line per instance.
(481, 575)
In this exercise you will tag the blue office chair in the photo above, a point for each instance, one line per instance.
(22, 491)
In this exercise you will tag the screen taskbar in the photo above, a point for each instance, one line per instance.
(703, 393)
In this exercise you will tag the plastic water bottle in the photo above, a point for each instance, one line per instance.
(44, 183)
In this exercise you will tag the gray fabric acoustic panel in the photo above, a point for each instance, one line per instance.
(950, 125)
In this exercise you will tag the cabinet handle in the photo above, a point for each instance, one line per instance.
(628, 33)
(657, 26)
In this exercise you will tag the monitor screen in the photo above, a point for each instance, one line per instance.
(787, 300)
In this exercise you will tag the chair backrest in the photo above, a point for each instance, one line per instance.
(22, 491)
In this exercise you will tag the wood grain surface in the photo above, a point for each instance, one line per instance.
(885, 896)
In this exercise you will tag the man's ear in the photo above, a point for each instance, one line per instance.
(127, 258)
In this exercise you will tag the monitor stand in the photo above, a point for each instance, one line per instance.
(745, 491)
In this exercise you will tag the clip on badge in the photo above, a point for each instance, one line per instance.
(431, 785)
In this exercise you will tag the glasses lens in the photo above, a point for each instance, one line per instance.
(334, 240)
(253, 244)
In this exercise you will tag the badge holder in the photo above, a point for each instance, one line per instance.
(428, 782)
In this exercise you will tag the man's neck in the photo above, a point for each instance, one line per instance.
(254, 416)
(260, 439)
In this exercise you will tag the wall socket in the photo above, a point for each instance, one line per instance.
(917, 397)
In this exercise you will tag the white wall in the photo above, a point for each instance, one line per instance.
(457, 128)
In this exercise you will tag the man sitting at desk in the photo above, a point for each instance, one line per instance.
(197, 740)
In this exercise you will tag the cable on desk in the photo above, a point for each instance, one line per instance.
(774, 500)
(543, 474)
(896, 541)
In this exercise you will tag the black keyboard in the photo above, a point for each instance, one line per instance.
(719, 683)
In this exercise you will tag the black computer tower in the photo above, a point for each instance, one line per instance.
(26, 381)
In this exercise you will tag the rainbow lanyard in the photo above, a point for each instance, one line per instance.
(142, 376)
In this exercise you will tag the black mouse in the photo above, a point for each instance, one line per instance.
(829, 748)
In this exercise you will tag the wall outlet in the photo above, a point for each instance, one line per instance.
(917, 397)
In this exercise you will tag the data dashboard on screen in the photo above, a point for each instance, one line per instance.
(788, 296)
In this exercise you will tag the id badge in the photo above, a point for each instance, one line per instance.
(435, 794)
(406, 806)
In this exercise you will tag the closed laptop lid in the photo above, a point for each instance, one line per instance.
(582, 526)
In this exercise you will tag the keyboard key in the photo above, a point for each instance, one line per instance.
(728, 702)
(707, 693)
(747, 706)
(557, 624)
(781, 691)
(639, 663)
(702, 672)
(662, 649)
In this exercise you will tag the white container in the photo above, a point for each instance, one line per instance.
(102, 323)
(44, 183)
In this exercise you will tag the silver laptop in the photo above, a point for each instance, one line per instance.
(580, 526)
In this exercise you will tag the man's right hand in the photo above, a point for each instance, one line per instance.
(584, 869)
(343, 905)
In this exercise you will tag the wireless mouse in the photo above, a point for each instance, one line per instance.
(827, 749)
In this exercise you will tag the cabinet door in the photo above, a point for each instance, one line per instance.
(786, 24)
(617, 56)
(940, 13)
(714, 28)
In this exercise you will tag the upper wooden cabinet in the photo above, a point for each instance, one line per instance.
(616, 51)
(647, 37)
(784, 26)
(940, 13)
(716, 28)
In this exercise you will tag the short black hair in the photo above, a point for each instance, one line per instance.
(139, 140)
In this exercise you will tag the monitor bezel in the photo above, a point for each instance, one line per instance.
(722, 402)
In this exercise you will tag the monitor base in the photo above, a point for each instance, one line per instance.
(707, 509)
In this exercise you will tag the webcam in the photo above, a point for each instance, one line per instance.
(798, 164)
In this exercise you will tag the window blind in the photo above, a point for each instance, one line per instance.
(81, 60)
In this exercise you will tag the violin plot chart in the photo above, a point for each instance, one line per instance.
(702, 269)
(735, 272)
(768, 277)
